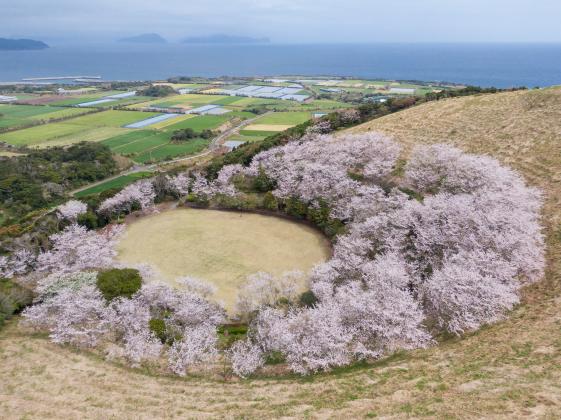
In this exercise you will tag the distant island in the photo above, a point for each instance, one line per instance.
(145, 39)
(224, 39)
(21, 44)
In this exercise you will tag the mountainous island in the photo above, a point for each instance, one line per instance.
(145, 39)
(21, 44)
(224, 39)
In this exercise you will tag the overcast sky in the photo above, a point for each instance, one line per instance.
(288, 21)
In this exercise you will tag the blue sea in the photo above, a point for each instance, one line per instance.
(500, 65)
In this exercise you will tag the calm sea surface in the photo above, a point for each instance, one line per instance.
(500, 65)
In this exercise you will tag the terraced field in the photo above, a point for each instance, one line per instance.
(508, 370)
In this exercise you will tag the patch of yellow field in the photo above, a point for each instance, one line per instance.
(268, 127)
(220, 247)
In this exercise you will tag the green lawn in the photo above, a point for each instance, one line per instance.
(114, 183)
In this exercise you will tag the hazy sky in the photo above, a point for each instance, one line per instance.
(301, 21)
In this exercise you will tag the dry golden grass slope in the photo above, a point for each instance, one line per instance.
(509, 370)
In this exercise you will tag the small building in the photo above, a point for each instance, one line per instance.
(403, 91)
(232, 144)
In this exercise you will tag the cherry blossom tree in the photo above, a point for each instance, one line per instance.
(76, 249)
(74, 316)
(140, 193)
(71, 210)
(18, 263)
(263, 289)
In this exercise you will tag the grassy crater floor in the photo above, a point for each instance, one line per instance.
(509, 370)
(220, 247)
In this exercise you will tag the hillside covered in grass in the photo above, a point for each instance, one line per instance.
(510, 370)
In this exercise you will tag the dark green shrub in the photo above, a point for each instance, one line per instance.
(158, 327)
(308, 299)
(119, 283)
(262, 183)
(13, 299)
(296, 208)
(275, 358)
(270, 202)
(88, 220)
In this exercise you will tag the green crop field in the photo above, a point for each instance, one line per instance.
(200, 123)
(26, 111)
(114, 183)
(141, 145)
(190, 100)
(228, 100)
(172, 150)
(43, 133)
(60, 113)
(284, 118)
(257, 133)
(112, 118)
(130, 136)
(25, 115)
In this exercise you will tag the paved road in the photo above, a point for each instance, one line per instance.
(213, 146)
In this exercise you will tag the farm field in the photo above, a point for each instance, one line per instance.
(93, 127)
(22, 115)
(119, 182)
(148, 144)
(53, 134)
(112, 118)
(511, 369)
(171, 150)
(89, 97)
(222, 247)
(275, 122)
(185, 101)
(200, 123)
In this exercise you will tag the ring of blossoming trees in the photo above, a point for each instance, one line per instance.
(440, 243)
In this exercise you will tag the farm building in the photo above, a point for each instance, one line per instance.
(5, 99)
(272, 92)
(403, 91)
(208, 110)
(232, 144)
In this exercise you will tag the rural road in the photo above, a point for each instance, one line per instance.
(214, 144)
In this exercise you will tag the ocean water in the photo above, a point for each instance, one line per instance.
(500, 65)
